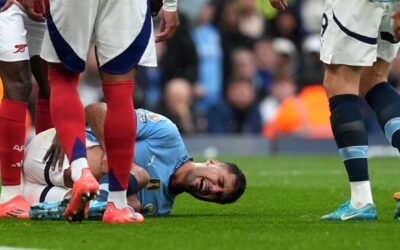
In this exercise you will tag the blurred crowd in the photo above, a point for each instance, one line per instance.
(238, 66)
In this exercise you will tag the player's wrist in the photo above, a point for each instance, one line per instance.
(170, 5)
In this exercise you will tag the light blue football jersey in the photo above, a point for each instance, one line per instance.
(160, 150)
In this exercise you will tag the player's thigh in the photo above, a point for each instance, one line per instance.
(371, 76)
(124, 36)
(341, 79)
(350, 31)
(70, 29)
(37, 170)
(13, 42)
(34, 35)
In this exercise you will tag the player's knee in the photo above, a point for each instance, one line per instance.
(142, 177)
(17, 81)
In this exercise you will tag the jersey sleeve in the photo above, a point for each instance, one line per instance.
(155, 127)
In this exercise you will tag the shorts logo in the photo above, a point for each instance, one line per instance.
(20, 48)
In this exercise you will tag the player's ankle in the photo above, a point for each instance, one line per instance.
(77, 167)
(9, 192)
(118, 198)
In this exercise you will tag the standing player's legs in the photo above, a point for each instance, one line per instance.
(341, 84)
(15, 73)
(35, 33)
(42, 107)
(65, 47)
(349, 42)
(119, 52)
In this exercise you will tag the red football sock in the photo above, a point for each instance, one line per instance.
(119, 132)
(67, 112)
(42, 115)
(12, 140)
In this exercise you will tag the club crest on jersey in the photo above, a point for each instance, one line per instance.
(20, 48)
(155, 117)
(154, 184)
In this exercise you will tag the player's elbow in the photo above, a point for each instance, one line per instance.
(142, 177)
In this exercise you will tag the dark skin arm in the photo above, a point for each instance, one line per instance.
(96, 116)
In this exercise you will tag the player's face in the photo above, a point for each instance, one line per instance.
(211, 182)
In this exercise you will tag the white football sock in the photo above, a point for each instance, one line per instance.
(9, 192)
(76, 168)
(361, 193)
(118, 198)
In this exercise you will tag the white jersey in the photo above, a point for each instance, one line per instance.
(122, 31)
(357, 32)
(20, 37)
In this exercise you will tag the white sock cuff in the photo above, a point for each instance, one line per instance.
(118, 198)
(76, 168)
(9, 192)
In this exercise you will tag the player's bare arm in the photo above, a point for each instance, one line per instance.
(7, 5)
(96, 116)
(396, 22)
(31, 12)
(279, 4)
(169, 20)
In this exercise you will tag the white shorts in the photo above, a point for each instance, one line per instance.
(20, 37)
(357, 32)
(122, 31)
(39, 172)
(40, 183)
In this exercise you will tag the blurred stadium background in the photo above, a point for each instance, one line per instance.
(240, 72)
(239, 78)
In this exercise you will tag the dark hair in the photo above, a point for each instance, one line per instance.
(240, 183)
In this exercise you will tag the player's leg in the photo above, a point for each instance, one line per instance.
(383, 98)
(118, 53)
(42, 108)
(65, 47)
(349, 131)
(15, 74)
(344, 43)
(35, 34)
(48, 202)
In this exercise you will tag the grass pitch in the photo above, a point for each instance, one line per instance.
(280, 210)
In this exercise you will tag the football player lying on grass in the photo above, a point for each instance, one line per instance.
(161, 169)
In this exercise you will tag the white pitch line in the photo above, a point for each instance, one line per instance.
(17, 248)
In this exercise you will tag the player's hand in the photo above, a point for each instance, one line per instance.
(279, 4)
(169, 24)
(396, 23)
(30, 11)
(7, 5)
(55, 154)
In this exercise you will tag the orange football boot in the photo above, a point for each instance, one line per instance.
(114, 215)
(17, 207)
(83, 190)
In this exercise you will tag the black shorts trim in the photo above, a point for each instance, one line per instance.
(361, 38)
(44, 193)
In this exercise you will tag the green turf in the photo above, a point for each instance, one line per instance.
(280, 210)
